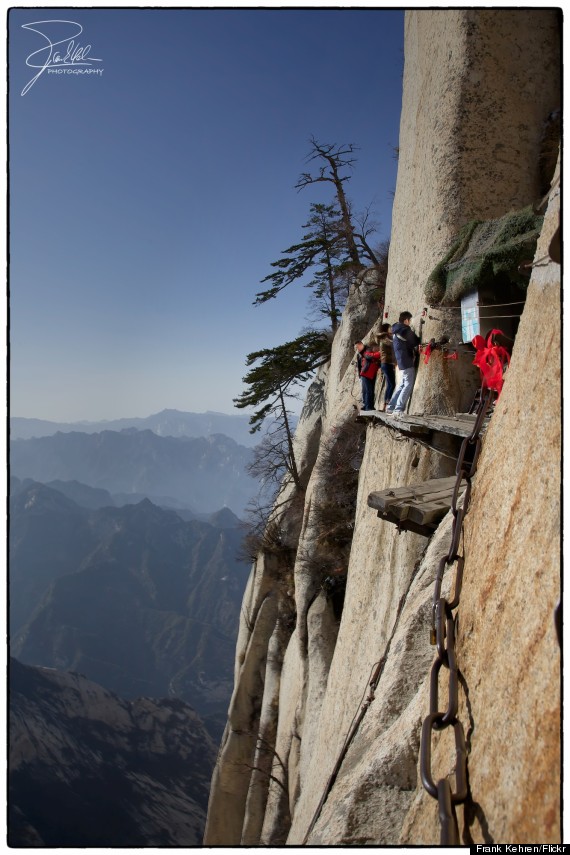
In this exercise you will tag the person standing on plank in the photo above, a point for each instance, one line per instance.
(387, 362)
(368, 363)
(405, 343)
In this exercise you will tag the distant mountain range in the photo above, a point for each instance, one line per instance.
(124, 580)
(93, 497)
(88, 769)
(165, 423)
(136, 598)
(200, 475)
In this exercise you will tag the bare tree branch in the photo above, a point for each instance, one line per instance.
(337, 158)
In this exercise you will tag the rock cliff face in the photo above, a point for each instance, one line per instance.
(478, 88)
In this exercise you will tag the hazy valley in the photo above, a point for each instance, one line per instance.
(166, 423)
(90, 769)
(200, 474)
(135, 598)
(123, 623)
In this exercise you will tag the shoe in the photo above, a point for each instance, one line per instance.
(389, 412)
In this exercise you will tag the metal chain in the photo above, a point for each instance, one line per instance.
(443, 636)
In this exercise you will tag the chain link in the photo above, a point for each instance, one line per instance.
(458, 582)
(434, 721)
(450, 663)
(446, 817)
(442, 635)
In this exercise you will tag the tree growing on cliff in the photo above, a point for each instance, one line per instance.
(334, 160)
(324, 250)
(276, 374)
(364, 227)
(335, 244)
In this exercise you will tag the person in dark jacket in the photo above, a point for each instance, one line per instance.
(368, 363)
(405, 342)
(387, 362)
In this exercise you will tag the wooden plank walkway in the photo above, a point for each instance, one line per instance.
(419, 508)
(442, 433)
(419, 424)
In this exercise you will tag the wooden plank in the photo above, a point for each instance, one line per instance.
(434, 485)
(366, 416)
(438, 423)
(429, 514)
(422, 425)
(413, 428)
(388, 504)
(394, 504)
(382, 500)
(424, 513)
(423, 490)
(436, 496)
(405, 424)
(422, 505)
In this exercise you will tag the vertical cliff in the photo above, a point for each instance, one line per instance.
(479, 86)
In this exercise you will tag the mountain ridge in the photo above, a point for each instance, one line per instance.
(167, 422)
(137, 598)
(202, 473)
(63, 789)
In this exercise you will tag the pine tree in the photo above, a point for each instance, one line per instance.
(356, 229)
(272, 381)
(336, 158)
(323, 251)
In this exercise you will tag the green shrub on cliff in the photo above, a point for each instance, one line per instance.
(483, 254)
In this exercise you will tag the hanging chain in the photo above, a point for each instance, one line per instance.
(443, 636)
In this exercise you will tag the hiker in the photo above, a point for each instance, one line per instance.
(405, 342)
(387, 363)
(368, 363)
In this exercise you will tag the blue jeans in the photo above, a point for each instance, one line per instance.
(403, 391)
(389, 373)
(368, 393)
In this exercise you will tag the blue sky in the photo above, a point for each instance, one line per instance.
(147, 203)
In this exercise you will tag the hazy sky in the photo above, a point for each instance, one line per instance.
(147, 202)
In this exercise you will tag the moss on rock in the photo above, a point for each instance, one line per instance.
(484, 253)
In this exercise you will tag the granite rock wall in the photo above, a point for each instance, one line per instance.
(479, 86)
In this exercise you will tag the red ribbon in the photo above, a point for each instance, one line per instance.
(491, 360)
(429, 348)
